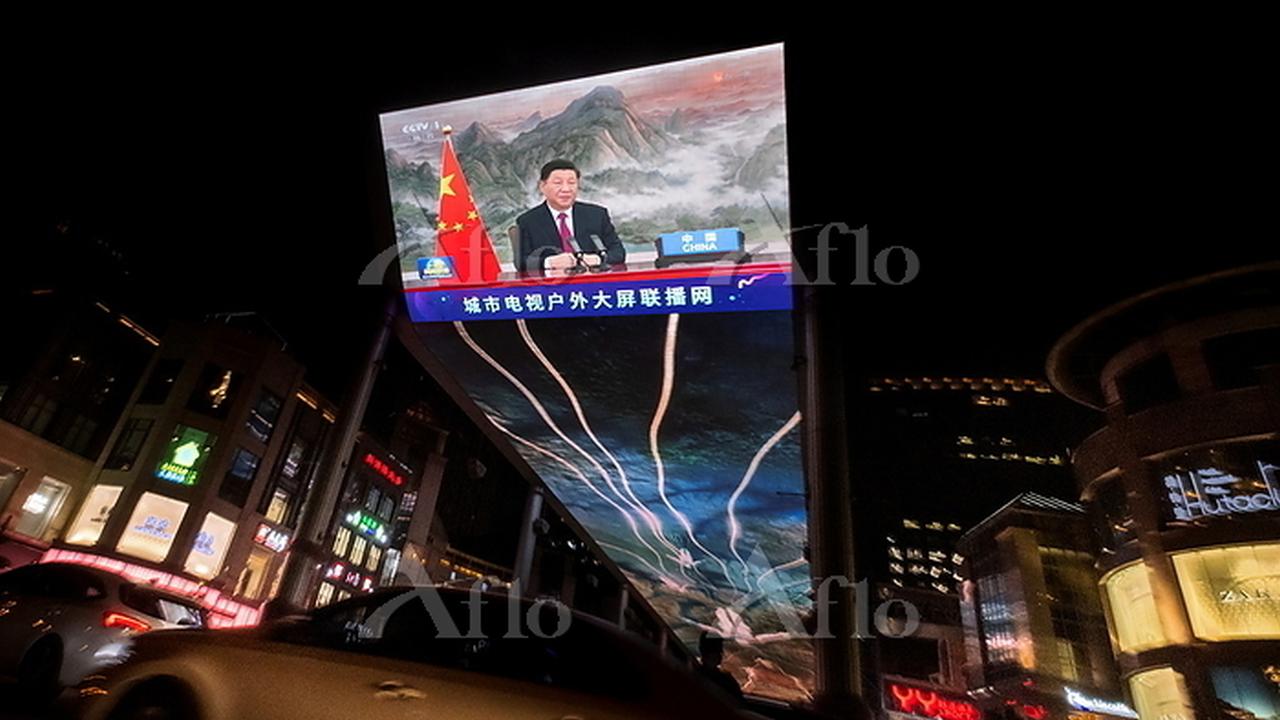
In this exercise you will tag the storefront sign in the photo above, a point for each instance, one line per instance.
(384, 470)
(926, 703)
(1211, 492)
(270, 538)
(1080, 701)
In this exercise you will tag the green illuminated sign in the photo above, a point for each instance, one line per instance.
(185, 455)
(367, 525)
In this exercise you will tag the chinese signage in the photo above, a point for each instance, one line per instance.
(270, 538)
(367, 525)
(152, 526)
(383, 469)
(747, 291)
(926, 703)
(210, 547)
(185, 455)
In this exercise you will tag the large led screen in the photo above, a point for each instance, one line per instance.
(675, 441)
(640, 359)
(665, 190)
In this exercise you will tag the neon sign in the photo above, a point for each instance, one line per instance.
(1080, 701)
(185, 456)
(367, 525)
(383, 469)
(270, 538)
(155, 527)
(1211, 492)
(929, 703)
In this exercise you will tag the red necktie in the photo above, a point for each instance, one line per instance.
(565, 235)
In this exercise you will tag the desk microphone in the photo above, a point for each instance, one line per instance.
(580, 265)
(599, 250)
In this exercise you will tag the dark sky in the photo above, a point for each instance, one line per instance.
(1037, 179)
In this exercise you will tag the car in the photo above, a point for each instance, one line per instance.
(407, 653)
(61, 622)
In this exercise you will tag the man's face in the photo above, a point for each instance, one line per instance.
(560, 189)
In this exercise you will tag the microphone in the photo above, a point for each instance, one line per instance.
(579, 265)
(600, 251)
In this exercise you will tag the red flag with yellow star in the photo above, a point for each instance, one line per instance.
(460, 232)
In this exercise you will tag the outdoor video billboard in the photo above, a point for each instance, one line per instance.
(657, 397)
(681, 195)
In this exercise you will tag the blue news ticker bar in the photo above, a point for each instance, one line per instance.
(743, 293)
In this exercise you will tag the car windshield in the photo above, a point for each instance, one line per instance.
(486, 634)
(173, 610)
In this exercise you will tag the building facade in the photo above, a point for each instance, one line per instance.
(62, 392)
(203, 478)
(1183, 487)
(1035, 633)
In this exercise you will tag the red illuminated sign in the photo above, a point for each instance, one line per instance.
(929, 703)
(383, 469)
(270, 538)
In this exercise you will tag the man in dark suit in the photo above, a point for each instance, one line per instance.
(548, 232)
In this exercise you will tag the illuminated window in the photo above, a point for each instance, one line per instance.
(964, 440)
(1161, 695)
(914, 554)
(1135, 622)
(357, 550)
(210, 547)
(253, 577)
(152, 526)
(41, 506)
(325, 595)
(278, 507)
(341, 540)
(215, 391)
(910, 524)
(895, 553)
(343, 595)
(375, 556)
(937, 556)
(895, 568)
(935, 526)
(93, 515)
(1232, 593)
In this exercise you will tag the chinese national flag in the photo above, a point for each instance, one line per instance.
(460, 233)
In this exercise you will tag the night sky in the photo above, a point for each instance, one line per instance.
(1037, 179)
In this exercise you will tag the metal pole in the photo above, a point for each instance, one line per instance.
(308, 551)
(831, 543)
(528, 539)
